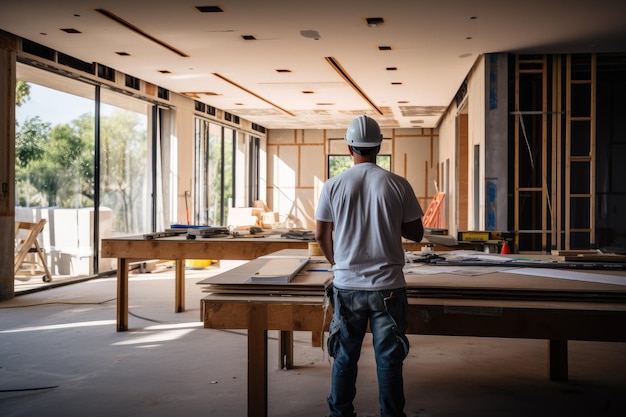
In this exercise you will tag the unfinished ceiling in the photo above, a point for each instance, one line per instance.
(314, 64)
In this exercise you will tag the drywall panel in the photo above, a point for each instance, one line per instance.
(311, 165)
(415, 158)
(281, 136)
(313, 136)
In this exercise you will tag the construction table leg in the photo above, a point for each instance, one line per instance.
(122, 294)
(557, 358)
(257, 361)
(180, 286)
(285, 349)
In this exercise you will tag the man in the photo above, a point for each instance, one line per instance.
(361, 217)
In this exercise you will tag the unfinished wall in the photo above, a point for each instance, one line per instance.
(496, 141)
(477, 147)
(469, 184)
(297, 167)
(182, 140)
(448, 167)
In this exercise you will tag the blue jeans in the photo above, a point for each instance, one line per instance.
(386, 312)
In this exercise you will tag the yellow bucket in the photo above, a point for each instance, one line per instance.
(197, 263)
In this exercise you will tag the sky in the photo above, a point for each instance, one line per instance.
(53, 106)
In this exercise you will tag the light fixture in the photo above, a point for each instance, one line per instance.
(209, 9)
(374, 22)
(312, 34)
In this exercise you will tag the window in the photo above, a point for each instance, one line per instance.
(125, 168)
(340, 160)
(65, 167)
(339, 163)
(214, 172)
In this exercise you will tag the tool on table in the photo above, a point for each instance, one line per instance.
(156, 235)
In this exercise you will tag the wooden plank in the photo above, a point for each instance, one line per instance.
(215, 248)
(511, 322)
(179, 283)
(234, 315)
(181, 248)
(285, 350)
(257, 361)
(595, 257)
(432, 212)
(122, 295)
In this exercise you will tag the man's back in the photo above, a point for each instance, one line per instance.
(367, 206)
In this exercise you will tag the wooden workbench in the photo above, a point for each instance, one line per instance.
(178, 248)
(497, 304)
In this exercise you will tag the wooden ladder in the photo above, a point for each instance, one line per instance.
(29, 243)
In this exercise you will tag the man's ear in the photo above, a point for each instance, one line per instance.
(350, 150)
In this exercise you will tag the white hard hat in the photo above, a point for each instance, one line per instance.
(363, 132)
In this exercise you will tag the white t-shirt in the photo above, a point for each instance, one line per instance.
(367, 206)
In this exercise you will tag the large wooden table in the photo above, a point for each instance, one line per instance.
(497, 304)
(178, 248)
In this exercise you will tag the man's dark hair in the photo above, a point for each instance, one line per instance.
(365, 151)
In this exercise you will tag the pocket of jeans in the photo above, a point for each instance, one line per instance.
(334, 332)
(404, 341)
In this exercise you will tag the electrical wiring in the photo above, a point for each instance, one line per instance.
(532, 163)
(80, 303)
(58, 302)
(145, 318)
(28, 389)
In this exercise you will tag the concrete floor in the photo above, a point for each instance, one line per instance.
(61, 356)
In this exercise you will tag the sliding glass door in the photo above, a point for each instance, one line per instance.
(125, 168)
(214, 172)
(79, 146)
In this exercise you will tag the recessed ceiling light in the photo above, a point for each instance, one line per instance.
(468, 37)
(403, 102)
(120, 53)
(465, 55)
(384, 48)
(165, 71)
(308, 92)
(473, 17)
(392, 68)
(238, 104)
(417, 121)
(325, 104)
(248, 37)
(70, 30)
(374, 22)
(313, 34)
(283, 70)
(396, 83)
(209, 9)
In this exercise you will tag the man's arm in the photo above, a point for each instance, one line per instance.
(413, 230)
(324, 237)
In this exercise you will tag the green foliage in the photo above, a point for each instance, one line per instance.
(22, 93)
(55, 165)
(123, 161)
(339, 163)
(30, 141)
